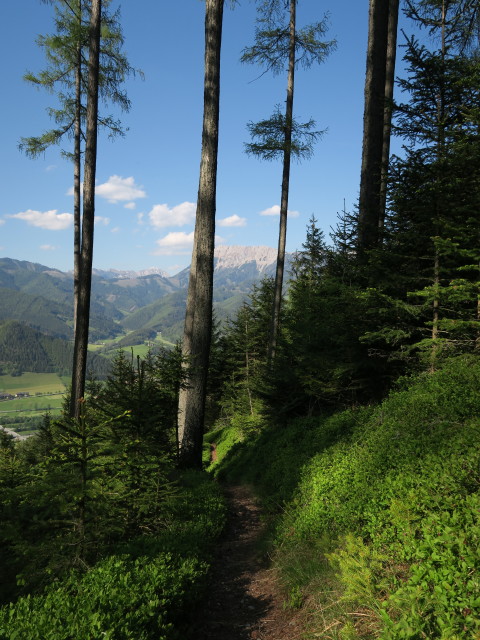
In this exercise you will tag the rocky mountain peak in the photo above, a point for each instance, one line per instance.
(232, 257)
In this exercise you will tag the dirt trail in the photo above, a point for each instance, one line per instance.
(244, 601)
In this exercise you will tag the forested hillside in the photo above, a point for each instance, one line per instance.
(24, 349)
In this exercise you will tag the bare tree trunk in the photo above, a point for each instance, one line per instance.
(373, 126)
(477, 341)
(435, 309)
(77, 178)
(83, 304)
(282, 235)
(198, 317)
(247, 367)
(387, 112)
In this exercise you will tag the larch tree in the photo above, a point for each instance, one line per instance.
(82, 315)
(198, 316)
(67, 75)
(279, 45)
(382, 30)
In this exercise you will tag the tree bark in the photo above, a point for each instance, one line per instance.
(77, 176)
(86, 257)
(373, 127)
(198, 317)
(388, 106)
(282, 235)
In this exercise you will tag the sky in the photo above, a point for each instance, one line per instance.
(147, 181)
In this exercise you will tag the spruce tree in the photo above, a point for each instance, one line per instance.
(280, 45)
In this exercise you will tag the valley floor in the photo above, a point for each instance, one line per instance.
(244, 600)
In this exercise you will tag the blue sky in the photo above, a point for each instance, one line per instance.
(147, 181)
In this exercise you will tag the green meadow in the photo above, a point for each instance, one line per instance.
(33, 383)
(32, 404)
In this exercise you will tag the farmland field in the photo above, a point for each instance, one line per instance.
(29, 405)
(33, 383)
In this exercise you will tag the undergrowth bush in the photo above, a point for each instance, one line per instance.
(143, 592)
(119, 598)
(391, 496)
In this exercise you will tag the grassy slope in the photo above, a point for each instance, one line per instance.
(32, 382)
(377, 510)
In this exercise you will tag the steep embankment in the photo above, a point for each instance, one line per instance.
(377, 510)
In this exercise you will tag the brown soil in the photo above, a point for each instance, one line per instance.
(244, 601)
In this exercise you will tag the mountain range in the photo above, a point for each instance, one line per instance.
(123, 301)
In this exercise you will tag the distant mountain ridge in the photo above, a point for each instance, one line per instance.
(123, 300)
(117, 274)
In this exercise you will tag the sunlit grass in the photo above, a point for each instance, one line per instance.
(32, 382)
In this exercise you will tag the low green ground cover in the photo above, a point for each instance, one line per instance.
(146, 591)
(377, 510)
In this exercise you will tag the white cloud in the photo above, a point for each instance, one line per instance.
(50, 167)
(162, 216)
(47, 247)
(45, 220)
(176, 243)
(115, 230)
(233, 221)
(101, 220)
(140, 218)
(275, 211)
(2, 221)
(117, 189)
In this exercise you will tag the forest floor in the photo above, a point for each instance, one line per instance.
(244, 600)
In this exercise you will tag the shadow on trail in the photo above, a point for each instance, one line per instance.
(237, 604)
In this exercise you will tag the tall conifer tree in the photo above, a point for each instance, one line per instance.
(383, 15)
(82, 316)
(198, 317)
(279, 44)
(67, 75)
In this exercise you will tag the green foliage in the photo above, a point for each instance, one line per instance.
(390, 494)
(62, 51)
(119, 598)
(244, 353)
(271, 48)
(269, 137)
(24, 348)
(145, 591)
(114, 465)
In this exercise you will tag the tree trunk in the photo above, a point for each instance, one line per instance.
(373, 127)
(282, 235)
(435, 309)
(84, 290)
(77, 177)
(198, 317)
(387, 112)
